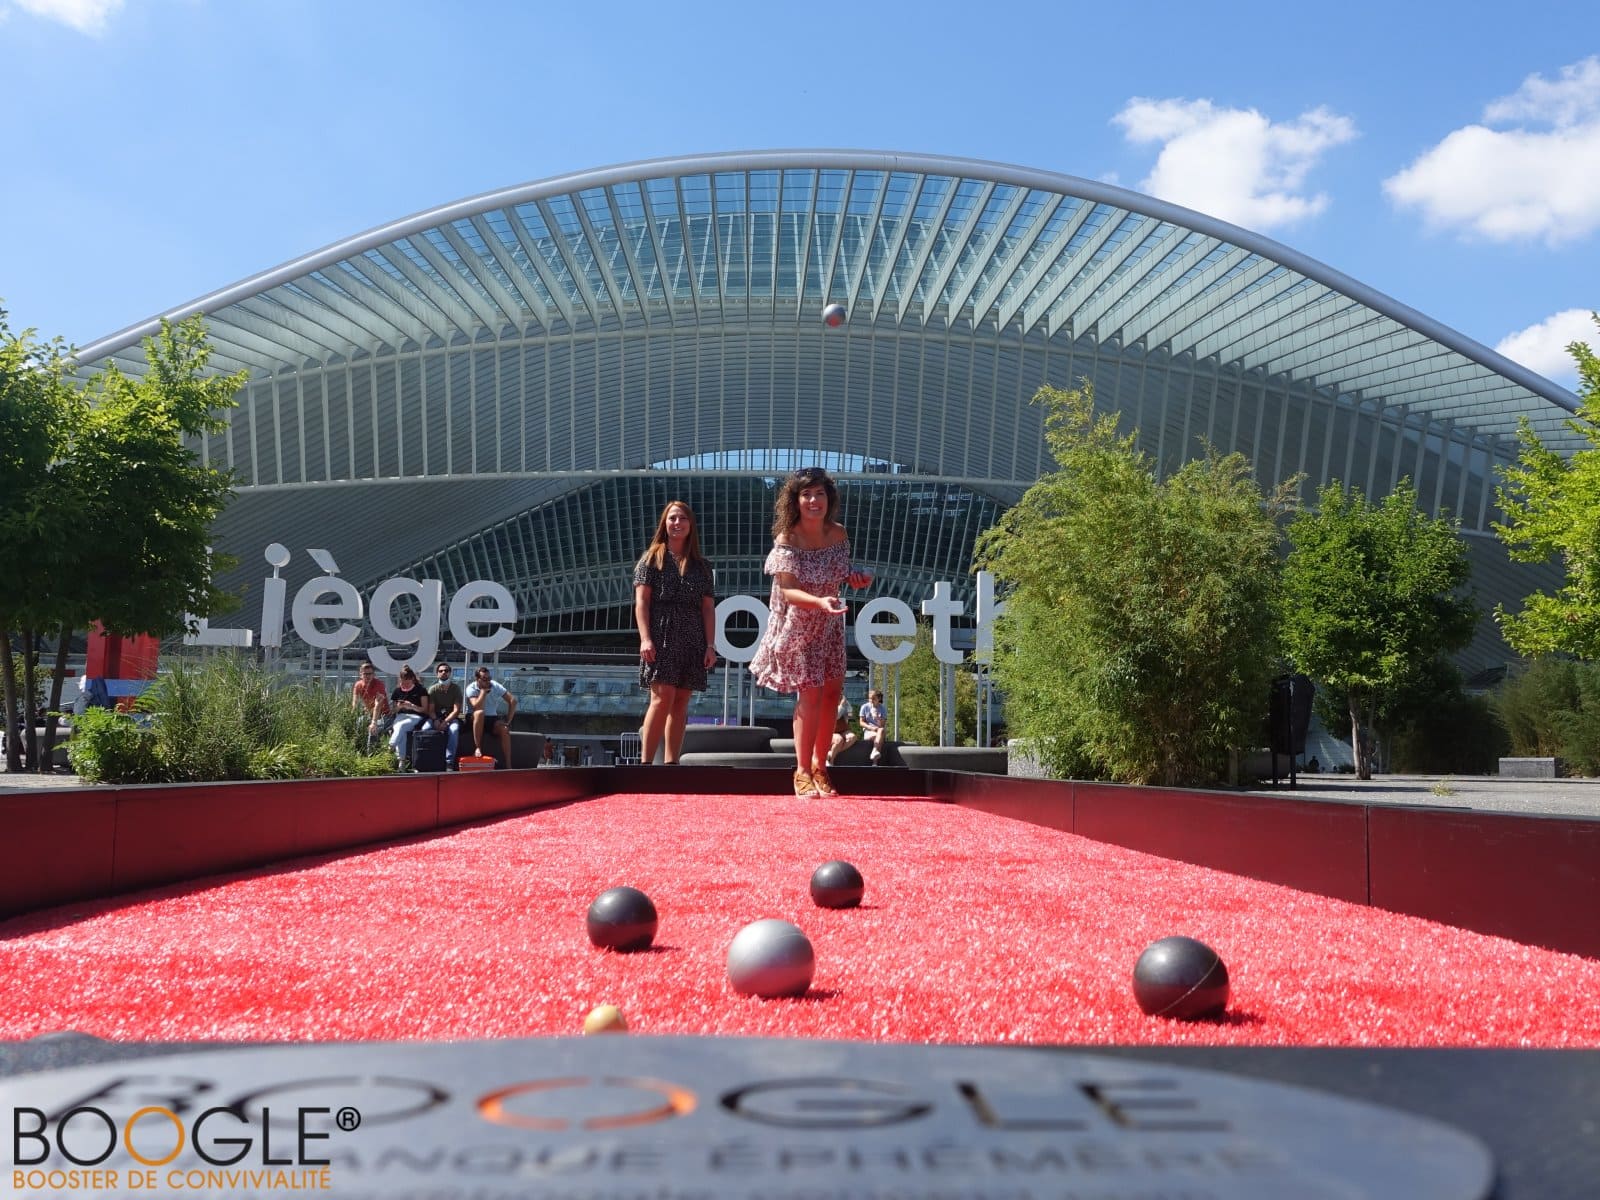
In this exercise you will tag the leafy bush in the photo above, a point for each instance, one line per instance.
(1458, 735)
(1138, 639)
(918, 696)
(1531, 703)
(209, 718)
(227, 718)
(1553, 708)
(113, 747)
(1580, 728)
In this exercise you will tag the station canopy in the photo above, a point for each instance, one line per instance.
(426, 396)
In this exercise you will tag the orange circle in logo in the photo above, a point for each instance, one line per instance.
(127, 1136)
(677, 1102)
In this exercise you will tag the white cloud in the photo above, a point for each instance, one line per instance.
(1543, 347)
(86, 16)
(1520, 183)
(1570, 100)
(1234, 163)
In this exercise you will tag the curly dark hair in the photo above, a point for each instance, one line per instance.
(786, 511)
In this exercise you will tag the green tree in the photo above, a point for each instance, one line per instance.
(919, 696)
(112, 510)
(148, 499)
(1429, 725)
(1371, 599)
(1138, 638)
(37, 410)
(1552, 509)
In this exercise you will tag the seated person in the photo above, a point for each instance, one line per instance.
(872, 723)
(368, 695)
(411, 709)
(449, 711)
(843, 736)
(492, 708)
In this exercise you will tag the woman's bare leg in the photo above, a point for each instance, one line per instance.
(827, 715)
(677, 720)
(655, 721)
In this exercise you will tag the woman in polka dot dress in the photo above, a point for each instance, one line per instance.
(674, 608)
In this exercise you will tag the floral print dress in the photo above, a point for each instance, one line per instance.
(803, 647)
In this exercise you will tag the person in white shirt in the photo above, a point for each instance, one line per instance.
(872, 723)
(492, 708)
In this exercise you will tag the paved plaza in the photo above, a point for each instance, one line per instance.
(1481, 793)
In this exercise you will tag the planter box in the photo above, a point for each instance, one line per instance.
(1530, 768)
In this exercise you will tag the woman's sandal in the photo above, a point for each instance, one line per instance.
(821, 782)
(805, 783)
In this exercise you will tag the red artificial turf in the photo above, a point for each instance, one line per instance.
(974, 929)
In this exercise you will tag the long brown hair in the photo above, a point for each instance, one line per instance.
(786, 512)
(656, 552)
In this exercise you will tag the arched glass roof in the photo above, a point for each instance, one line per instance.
(932, 242)
(424, 395)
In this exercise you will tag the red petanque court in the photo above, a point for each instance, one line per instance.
(975, 928)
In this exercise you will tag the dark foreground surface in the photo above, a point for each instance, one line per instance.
(788, 1118)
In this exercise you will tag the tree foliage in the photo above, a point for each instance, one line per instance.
(105, 510)
(1138, 638)
(1372, 597)
(1427, 726)
(919, 695)
(38, 407)
(1553, 709)
(1552, 509)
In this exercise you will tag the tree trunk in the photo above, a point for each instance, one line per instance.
(1360, 736)
(8, 669)
(30, 698)
(53, 706)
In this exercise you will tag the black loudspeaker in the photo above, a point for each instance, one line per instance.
(1290, 713)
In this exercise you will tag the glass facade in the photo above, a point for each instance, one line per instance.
(569, 562)
(511, 386)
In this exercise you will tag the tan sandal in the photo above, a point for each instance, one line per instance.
(805, 783)
(821, 782)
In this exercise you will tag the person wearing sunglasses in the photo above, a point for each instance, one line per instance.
(448, 710)
(492, 708)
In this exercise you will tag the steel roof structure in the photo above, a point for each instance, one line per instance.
(421, 392)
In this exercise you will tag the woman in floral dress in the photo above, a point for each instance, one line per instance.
(675, 611)
(803, 648)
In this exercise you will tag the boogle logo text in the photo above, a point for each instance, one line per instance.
(97, 1144)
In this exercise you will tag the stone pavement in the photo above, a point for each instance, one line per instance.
(1480, 793)
(1484, 793)
(59, 778)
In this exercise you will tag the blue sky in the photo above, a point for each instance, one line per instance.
(1446, 154)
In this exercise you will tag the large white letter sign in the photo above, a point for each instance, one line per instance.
(309, 607)
(988, 610)
(501, 610)
(733, 604)
(941, 606)
(424, 634)
(200, 633)
(886, 617)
